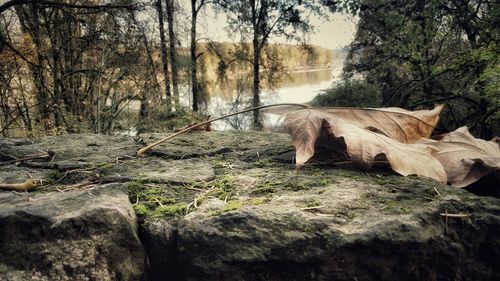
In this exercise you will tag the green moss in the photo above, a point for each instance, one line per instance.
(266, 187)
(312, 203)
(324, 182)
(287, 182)
(153, 201)
(134, 188)
(216, 192)
(105, 165)
(216, 164)
(224, 182)
(263, 189)
(147, 193)
(405, 210)
(163, 200)
(346, 214)
(316, 172)
(141, 210)
(170, 210)
(232, 205)
(296, 185)
(222, 187)
(214, 213)
(386, 179)
(381, 181)
(263, 162)
(356, 175)
(152, 193)
(258, 201)
(52, 177)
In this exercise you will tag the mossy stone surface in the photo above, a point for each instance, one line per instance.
(231, 206)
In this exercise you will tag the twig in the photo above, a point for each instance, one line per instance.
(142, 151)
(239, 153)
(87, 183)
(437, 191)
(324, 215)
(25, 186)
(445, 221)
(311, 208)
(158, 201)
(59, 179)
(6, 156)
(66, 174)
(49, 155)
(187, 207)
(17, 192)
(195, 201)
(78, 187)
(120, 159)
(446, 215)
(194, 188)
(455, 215)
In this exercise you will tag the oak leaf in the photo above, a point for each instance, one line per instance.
(396, 123)
(367, 133)
(465, 158)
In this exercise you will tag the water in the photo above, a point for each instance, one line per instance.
(300, 87)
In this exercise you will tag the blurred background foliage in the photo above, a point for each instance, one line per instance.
(126, 66)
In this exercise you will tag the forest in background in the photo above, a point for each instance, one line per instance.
(73, 66)
(414, 54)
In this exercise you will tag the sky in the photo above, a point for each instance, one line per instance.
(333, 34)
(336, 33)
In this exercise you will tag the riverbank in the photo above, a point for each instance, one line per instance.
(301, 70)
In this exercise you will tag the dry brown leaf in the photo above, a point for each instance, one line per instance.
(399, 124)
(465, 158)
(463, 135)
(362, 145)
(285, 109)
(361, 134)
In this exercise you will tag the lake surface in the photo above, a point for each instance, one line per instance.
(298, 87)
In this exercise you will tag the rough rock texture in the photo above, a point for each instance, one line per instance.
(76, 235)
(349, 239)
(230, 206)
(160, 238)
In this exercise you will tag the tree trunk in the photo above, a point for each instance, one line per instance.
(257, 118)
(26, 107)
(163, 47)
(173, 49)
(194, 81)
(51, 24)
(29, 21)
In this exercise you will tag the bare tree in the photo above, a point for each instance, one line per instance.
(163, 48)
(196, 6)
(261, 19)
(170, 6)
